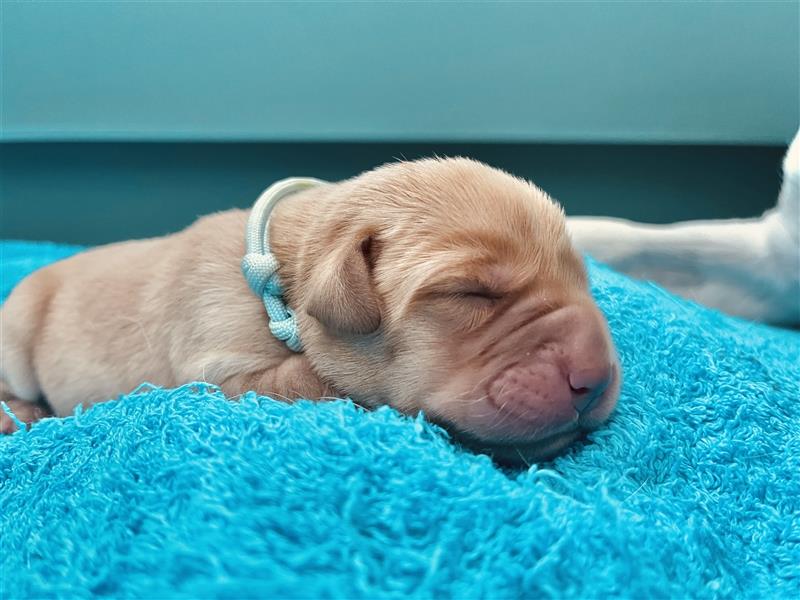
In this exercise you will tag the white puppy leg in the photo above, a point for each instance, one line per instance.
(745, 267)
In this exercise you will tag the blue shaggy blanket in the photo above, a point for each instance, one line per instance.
(692, 490)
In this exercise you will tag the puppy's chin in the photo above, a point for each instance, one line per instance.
(519, 452)
(538, 451)
(519, 437)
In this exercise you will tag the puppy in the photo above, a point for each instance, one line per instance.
(442, 286)
(744, 267)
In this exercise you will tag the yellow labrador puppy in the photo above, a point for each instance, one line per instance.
(438, 285)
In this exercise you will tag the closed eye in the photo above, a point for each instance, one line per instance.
(480, 294)
(463, 290)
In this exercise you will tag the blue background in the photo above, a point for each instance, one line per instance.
(128, 119)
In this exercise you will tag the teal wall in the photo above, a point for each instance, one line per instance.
(93, 193)
(690, 72)
(127, 119)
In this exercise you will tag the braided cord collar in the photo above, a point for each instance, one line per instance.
(260, 266)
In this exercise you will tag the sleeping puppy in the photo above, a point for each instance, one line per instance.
(442, 286)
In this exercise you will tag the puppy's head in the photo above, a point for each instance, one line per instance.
(453, 288)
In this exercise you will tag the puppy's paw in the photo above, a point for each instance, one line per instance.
(27, 412)
(294, 378)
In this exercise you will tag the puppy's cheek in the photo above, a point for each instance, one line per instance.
(410, 395)
(444, 408)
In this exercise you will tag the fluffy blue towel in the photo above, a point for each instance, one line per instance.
(692, 490)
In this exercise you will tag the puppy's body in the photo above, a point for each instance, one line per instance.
(166, 310)
(438, 285)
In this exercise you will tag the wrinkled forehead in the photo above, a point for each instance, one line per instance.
(462, 200)
(495, 260)
(444, 187)
(502, 250)
(454, 218)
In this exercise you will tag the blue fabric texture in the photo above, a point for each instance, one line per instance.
(692, 490)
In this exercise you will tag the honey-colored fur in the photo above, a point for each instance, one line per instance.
(413, 285)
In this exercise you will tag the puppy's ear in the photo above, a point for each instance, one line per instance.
(342, 294)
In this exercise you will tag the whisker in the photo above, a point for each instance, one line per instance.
(527, 464)
(477, 400)
(504, 416)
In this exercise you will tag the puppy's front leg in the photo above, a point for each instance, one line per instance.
(290, 380)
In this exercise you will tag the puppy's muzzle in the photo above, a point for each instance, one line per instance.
(568, 376)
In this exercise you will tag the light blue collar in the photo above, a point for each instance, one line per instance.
(260, 266)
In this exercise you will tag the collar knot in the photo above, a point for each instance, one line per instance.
(260, 266)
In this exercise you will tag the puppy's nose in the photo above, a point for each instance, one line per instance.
(587, 386)
(567, 380)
